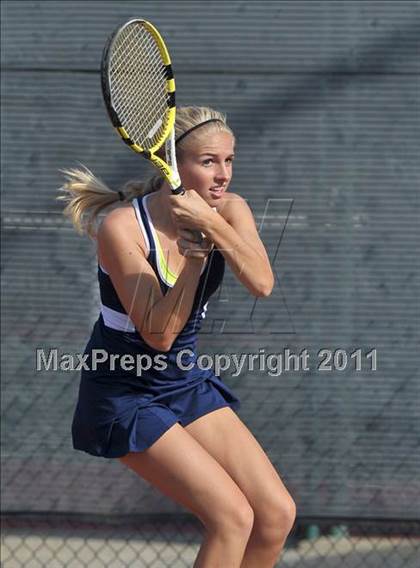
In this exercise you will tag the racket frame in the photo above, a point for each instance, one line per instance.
(168, 170)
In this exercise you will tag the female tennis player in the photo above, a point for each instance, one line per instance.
(144, 399)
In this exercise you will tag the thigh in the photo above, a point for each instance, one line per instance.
(179, 467)
(224, 436)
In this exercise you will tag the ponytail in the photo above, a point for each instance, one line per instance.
(86, 196)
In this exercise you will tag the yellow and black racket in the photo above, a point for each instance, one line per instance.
(139, 91)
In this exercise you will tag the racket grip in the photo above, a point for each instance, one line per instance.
(179, 190)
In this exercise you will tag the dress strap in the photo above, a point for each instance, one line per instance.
(142, 220)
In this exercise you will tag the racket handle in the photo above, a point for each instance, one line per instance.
(179, 190)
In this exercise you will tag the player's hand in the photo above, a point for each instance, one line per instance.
(191, 211)
(192, 245)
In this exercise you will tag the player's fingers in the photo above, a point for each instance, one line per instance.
(195, 253)
(206, 244)
(186, 248)
(186, 244)
(190, 235)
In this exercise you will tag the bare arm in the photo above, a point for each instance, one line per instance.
(235, 234)
(232, 229)
(158, 318)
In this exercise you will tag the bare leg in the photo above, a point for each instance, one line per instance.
(178, 466)
(264, 552)
(229, 441)
(221, 549)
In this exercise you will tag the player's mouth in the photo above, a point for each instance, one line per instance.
(218, 190)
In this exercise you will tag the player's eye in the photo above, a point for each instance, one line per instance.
(207, 162)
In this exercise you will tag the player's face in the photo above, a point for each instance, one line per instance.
(207, 165)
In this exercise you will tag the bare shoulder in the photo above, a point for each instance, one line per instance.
(233, 207)
(120, 225)
(118, 222)
(231, 203)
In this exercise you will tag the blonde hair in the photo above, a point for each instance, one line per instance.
(190, 116)
(86, 196)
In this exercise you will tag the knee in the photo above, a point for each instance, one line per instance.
(281, 513)
(243, 518)
(275, 520)
(236, 519)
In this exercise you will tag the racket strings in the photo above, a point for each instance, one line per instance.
(140, 117)
(127, 67)
(150, 66)
(139, 86)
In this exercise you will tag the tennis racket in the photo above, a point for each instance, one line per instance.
(138, 87)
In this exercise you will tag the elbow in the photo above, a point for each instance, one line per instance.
(165, 346)
(264, 288)
(156, 340)
(263, 291)
(159, 342)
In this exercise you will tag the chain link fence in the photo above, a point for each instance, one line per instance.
(161, 542)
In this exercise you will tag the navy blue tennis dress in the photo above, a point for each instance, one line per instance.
(123, 407)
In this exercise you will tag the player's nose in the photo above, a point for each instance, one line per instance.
(222, 173)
